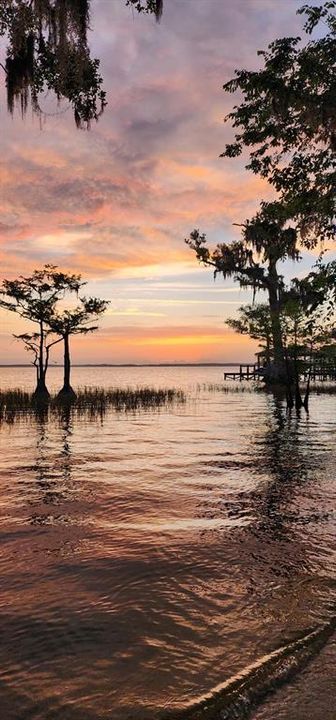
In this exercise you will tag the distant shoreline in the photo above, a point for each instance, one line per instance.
(135, 365)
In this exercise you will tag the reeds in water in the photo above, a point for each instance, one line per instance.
(231, 388)
(317, 388)
(128, 398)
(93, 402)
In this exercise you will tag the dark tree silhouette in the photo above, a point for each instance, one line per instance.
(148, 6)
(318, 288)
(31, 342)
(34, 298)
(76, 321)
(48, 51)
(253, 261)
(286, 120)
(255, 321)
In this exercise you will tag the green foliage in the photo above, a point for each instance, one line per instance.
(316, 13)
(266, 239)
(306, 332)
(287, 121)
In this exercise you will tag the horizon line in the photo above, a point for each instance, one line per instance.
(164, 364)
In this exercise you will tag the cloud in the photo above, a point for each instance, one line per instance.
(117, 202)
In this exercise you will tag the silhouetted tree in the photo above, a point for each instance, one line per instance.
(253, 261)
(148, 6)
(76, 321)
(311, 305)
(34, 298)
(286, 120)
(318, 288)
(48, 51)
(255, 321)
(305, 334)
(31, 342)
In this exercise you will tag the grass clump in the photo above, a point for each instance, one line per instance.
(93, 402)
(128, 398)
(227, 388)
(316, 388)
(323, 388)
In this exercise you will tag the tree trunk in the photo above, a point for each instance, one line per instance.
(41, 391)
(298, 398)
(307, 393)
(289, 392)
(276, 372)
(268, 351)
(67, 393)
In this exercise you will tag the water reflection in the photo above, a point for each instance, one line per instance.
(53, 474)
(148, 559)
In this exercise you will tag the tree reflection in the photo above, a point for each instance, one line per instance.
(48, 51)
(283, 452)
(53, 476)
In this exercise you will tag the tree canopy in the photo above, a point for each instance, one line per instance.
(78, 320)
(147, 6)
(266, 239)
(255, 321)
(48, 51)
(286, 121)
(34, 297)
(318, 288)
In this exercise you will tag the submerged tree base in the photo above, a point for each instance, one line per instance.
(66, 395)
(41, 394)
(277, 374)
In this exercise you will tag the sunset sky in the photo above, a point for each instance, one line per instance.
(116, 203)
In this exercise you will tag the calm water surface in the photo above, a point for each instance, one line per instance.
(148, 558)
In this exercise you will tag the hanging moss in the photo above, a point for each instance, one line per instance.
(48, 51)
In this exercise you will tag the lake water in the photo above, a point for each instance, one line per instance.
(148, 559)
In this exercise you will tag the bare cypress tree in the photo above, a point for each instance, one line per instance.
(34, 298)
(77, 321)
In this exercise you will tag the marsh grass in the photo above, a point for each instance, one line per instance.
(234, 388)
(92, 402)
(316, 388)
(323, 388)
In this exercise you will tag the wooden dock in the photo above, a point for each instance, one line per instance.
(320, 371)
(245, 372)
